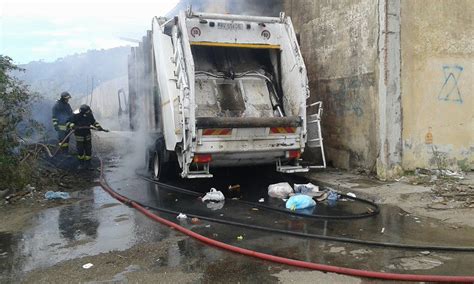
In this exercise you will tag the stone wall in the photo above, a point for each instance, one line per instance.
(437, 83)
(339, 43)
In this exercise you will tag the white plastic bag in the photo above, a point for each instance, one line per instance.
(308, 189)
(213, 195)
(280, 190)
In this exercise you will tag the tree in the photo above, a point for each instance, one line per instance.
(15, 124)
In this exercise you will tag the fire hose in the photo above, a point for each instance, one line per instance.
(52, 155)
(278, 259)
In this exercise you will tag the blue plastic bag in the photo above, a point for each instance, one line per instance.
(56, 195)
(300, 201)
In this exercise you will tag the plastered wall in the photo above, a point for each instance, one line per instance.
(437, 84)
(339, 44)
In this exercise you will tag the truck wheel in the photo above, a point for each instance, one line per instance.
(156, 166)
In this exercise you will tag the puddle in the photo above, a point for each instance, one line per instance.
(97, 224)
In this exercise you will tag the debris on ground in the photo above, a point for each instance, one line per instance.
(451, 195)
(307, 189)
(195, 221)
(351, 194)
(280, 190)
(322, 197)
(181, 216)
(234, 191)
(240, 238)
(300, 201)
(215, 205)
(261, 200)
(52, 195)
(333, 196)
(214, 195)
(87, 265)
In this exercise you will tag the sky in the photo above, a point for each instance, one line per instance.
(32, 30)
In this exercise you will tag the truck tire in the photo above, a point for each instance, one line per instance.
(162, 165)
(157, 166)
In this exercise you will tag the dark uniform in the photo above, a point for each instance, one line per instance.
(62, 112)
(81, 123)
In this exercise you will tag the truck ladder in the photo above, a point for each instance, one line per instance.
(315, 138)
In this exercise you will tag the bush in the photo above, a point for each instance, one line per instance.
(16, 125)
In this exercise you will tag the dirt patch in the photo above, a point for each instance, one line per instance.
(449, 199)
(142, 263)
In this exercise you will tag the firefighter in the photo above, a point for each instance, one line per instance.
(62, 112)
(81, 123)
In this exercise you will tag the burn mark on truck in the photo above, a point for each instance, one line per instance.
(230, 100)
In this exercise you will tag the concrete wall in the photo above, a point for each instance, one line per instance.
(437, 83)
(339, 44)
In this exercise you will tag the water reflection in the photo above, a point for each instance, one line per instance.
(79, 220)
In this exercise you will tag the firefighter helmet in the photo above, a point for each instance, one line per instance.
(84, 109)
(65, 95)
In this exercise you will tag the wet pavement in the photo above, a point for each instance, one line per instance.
(98, 224)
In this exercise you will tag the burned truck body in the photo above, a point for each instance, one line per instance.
(220, 90)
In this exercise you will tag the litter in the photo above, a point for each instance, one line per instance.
(195, 221)
(240, 238)
(50, 195)
(425, 252)
(215, 205)
(333, 196)
(87, 265)
(350, 194)
(181, 216)
(235, 187)
(300, 202)
(323, 197)
(261, 200)
(280, 190)
(383, 230)
(214, 195)
(307, 189)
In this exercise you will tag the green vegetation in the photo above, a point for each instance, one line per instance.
(16, 125)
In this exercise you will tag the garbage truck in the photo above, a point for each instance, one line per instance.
(221, 90)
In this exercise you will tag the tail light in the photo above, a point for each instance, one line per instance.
(282, 130)
(202, 158)
(293, 154)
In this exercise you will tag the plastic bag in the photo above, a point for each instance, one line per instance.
(56, 195)
(214, 195)
(300, 201)
(280, 190)
(307, 189)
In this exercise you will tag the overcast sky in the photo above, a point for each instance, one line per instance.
(48, 29)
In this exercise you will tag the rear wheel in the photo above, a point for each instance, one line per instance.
(157, 166)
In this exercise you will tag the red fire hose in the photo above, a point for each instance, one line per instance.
(278, 259)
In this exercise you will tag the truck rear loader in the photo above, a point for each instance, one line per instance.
(219, 90)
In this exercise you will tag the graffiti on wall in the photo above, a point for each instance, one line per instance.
(450, 90)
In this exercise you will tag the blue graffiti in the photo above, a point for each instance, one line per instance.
(450, 91)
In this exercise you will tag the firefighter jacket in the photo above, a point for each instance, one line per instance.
(62, 112)
(81, 121)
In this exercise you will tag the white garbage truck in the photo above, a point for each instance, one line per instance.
(220, 90)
